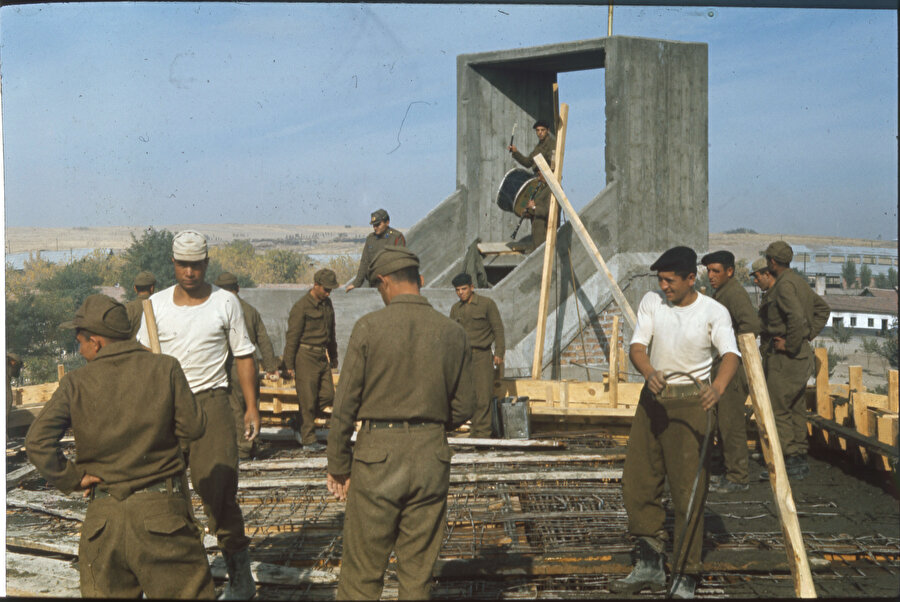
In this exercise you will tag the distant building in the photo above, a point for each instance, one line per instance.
(871, 312)
(828, 262)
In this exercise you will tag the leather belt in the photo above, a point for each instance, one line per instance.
(313, 347)
(679, 392)
(397, 424)
(170, 485)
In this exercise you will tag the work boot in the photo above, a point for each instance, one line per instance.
(797, 466)
(726, 486)
(648, 571)
(684, 587)
(315, 446)
(241, 585)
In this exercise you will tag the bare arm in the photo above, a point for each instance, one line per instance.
(246, 369)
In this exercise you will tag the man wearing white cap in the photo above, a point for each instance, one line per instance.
(199, 324)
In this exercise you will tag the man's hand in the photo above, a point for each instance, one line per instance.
(289, 373)
(779, 343)
(709, 397)
(338, 485)
(87, 483)
(656, 382)
(350, 287)
(497, 360)
(512, 148)
(251, 423)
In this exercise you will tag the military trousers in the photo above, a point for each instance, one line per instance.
(238, 408)
(213, 461)
(786, 378)
(397, 501)
(315, 389)
(664, 442)
(732, 422)
(483, 375)
(146, 543)
(538, 231)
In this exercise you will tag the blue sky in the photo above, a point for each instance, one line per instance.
(156, 114)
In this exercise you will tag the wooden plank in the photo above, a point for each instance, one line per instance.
(856, 437)
(33, 576)
(537, 364)
(614, 363)
(60, 371)
(16, 477)
(781, 487)
(893, 392)
(38, 394)
(150, 322)
(824, 407)
(71, 507)
(588, 242)
(64, 545)
(886, 428)
(540, 409)
(500, 248)
(857, 406)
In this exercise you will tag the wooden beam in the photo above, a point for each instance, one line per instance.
(60, 371)
(857, 406)
(537, 364)
(614, 364)
(150, 321)
(586, 239)
(893, 392)
(824, 407)
(781, 488)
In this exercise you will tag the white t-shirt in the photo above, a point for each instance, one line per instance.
(199, 336)
(684, 339)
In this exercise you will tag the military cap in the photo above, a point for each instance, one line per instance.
(379, 215)
(461, 279)
(726, 258)
(760, 265)
(102, 315)
(189, 245)
(540, 123)
(326, 278)
(226, 280)
(676, 259)
(145, 279)
(780, 251)
(390, 260)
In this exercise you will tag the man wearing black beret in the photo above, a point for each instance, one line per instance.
(677, 334)
(730, 409)
(546, 146)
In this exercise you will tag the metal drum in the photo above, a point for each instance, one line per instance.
(509, 188)
(526, 193)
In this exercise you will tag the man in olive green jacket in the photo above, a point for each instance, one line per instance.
(259, 336)
(310, 353)
(382, 236)
(127, 408)
(546, 146)
(732, 420)
(407, 377)
(792, 315)
(480, 318)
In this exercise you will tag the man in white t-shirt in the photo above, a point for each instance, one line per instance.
(683, 333)
(198, 325)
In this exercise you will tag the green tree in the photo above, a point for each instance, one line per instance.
(881, 281)
(865, 275)
(151, 252)
(281, 265)
(840, 333)
(891, 278)
(849, 274)
(889, 348)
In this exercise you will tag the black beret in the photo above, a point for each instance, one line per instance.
(726, 258)
(676, 259)
(461, 280)
(540, 123)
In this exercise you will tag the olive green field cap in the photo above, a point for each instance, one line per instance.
(189, 245)
(378, 216)
(326, 278)
(145, 279)
(226, 280)
(390, 260)
(102, 315)
(760, 265)
(780, 251)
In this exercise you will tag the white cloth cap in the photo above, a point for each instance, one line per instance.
(189, 245)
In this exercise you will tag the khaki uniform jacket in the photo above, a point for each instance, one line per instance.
(135, 311)
(310, 322)
(403, 362)
(736, 300)
(374, 244)
(259, 336)
(547, 148)
(128, 408)
(481, 320)
(791, 309)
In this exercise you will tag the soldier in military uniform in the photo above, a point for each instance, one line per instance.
(480, 319)
(310, 336)
(382, 236)
(762, 277)
(792, 315)
(259, 337)
(128, 408)
(732, 421)
(13, 369)
(144, 286)
(678, 336)
(539, 211)
(407, 377)
(546, 146)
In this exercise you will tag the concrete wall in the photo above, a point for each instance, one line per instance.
(439, 238)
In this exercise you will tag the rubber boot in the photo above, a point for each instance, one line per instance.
(684, 587)
(648, 571)
(241, 585)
